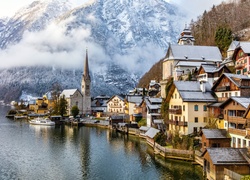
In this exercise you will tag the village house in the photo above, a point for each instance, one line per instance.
(233, 111)
(241, 56)
(184, 59)
(154, 88)
(133, 107)
(116, 105)
(188, 102)
(99, 105)
(221, 162)
(215, 138)
(153, 109)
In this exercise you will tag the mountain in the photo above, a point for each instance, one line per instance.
(44, 44)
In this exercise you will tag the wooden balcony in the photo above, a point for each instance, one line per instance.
(240, 132)
(236, 119)
(175, 111)
(178, 123)
(239, 66)
(223, 88)
(182, 123)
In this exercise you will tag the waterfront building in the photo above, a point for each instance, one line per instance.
(188, 101)
(153, 109)
(133, 107)
(116, 105)
(99, 105)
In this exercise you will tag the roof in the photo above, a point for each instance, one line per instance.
(188, 63)
(152, 106)
(215, 133)
(227, 156)
(190, 91)
(211, 68)
(234, 78)
(119, 96)
(158, 121)
(245, 46)
(68, 92)
(243, 101)
(233, 45)
(152, 132)
(135, 99)
(195, 53)
(144, 128)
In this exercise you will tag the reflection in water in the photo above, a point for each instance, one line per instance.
(65, 152)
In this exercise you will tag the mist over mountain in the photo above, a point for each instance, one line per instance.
(45, 43)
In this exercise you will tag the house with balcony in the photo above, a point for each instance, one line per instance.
(241, 56)
(211, 72)
(116, 105)
(153, 109)
(188, 102)
(233, 111)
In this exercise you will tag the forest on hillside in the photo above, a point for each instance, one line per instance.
(217, 27)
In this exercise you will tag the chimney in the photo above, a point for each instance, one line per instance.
(203, 86)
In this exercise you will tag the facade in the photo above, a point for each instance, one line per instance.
(99, 105)
(86, 88)
(154, 88)
(153, 109)
(216, 160)
(234, 109)
(116, 105)
(73, 98)
(241, 56)
(133, 108)
(188, 102)
(215, 138)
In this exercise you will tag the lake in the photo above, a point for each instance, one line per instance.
(71, 153)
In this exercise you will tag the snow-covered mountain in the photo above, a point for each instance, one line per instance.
(45, 43)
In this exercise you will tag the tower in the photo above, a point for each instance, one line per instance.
(86, 82)
(186, 37)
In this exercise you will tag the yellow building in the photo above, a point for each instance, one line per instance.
(188, 102)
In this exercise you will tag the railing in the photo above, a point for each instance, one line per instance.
(239, 66)
(175, 111)
(240, 132)
(231, 174)
(182, 123)
(223, 88)
(236, 119)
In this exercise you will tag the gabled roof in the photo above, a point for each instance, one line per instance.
(188, 63)
(153, 103)
(190, 91)
(243, 101)
(228, 156)
(215, 133)
(119, 96)
(245, 46)
(194, 53)
(152, 132)
(233, 45)
(137, 99)
(234, 78)
(212, 68)
(68, 92)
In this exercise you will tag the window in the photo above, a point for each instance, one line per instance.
(196, 119)
(205, 144)
(222, 95)
(184, 118)
(236, 93)
(175, 96)
(204, 107)
(183, 107)
(196, 107)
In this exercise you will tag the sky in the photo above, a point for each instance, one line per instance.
(196, 7)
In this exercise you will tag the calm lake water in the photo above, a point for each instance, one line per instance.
(71, 153)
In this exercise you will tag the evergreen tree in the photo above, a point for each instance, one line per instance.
(62, 106)
(74, 111)
(223, 39)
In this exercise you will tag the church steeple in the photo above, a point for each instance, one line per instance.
(186, 37)
(86, 67)
(86, 87)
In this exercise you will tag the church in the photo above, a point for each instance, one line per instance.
(185, 58)
(80, 98)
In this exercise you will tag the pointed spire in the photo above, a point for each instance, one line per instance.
(86, 68)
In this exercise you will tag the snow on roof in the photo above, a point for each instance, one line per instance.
(245, 46)
(215, 133)
(152, 132)
(135, 99)
(155, 100)
(227, 155)
(68, 92)
(211, 68)
(244, 101)
(233, 45)
(190, 91)
(201, 53)
(152, 106)
(144, 128)
(188, 63)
